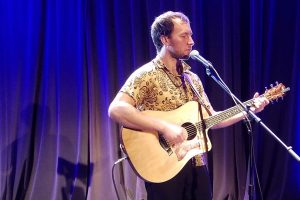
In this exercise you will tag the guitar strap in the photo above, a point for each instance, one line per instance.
(200, 100)
(196, 92)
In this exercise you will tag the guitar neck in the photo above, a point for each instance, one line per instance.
(226, 114)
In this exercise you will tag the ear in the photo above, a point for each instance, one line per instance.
(165, 40)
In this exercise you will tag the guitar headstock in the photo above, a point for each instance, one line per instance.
(279, 90)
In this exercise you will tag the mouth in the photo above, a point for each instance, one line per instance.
(189, 50)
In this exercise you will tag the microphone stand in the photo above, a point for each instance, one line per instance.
(252, 115)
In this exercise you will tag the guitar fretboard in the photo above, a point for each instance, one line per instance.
(226, 114)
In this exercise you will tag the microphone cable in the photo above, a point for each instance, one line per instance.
(196, 56)
(247, 121)
(248, 125)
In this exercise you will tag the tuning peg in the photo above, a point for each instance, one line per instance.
(277, 83)
(271, 85)
(266, 88)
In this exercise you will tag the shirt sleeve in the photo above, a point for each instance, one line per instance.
(138, 86)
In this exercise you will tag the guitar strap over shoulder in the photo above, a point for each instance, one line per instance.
(196, 92)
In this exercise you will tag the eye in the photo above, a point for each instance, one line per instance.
(184, 36)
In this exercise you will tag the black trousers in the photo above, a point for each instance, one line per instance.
(191, 183)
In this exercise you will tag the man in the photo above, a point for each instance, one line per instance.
(160, 85)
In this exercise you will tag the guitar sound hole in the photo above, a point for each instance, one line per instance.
(191, 130)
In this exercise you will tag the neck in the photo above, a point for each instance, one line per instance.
(171, 63)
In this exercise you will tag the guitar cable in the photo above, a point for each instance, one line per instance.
(113, 176)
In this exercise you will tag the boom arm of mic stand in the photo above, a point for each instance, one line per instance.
(250, 113)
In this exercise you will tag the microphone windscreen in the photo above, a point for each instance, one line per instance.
(194, 54)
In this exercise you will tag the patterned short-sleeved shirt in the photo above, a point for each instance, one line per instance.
(153, 87)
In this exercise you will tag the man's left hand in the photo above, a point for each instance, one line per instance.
(259, 103)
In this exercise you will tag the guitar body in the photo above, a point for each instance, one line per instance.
(151, 161)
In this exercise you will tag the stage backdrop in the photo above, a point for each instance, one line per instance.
(62, 63)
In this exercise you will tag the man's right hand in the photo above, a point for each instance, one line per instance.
(123, 110)
(173, 133)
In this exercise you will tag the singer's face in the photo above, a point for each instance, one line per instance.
(180, 40)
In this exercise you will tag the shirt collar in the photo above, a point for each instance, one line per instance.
(161, 65)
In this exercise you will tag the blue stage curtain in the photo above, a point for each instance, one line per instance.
(62, 63)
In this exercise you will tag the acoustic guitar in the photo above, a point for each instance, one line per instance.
(151, 156)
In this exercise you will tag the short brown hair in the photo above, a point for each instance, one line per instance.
(163, 25)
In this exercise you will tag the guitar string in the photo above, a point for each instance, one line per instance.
(191, 128)
(190, 131)
(221, 115)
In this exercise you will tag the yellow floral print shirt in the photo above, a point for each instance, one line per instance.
(153, 87)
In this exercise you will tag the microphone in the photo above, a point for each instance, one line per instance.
(196, 56)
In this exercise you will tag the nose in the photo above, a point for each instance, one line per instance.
(191, 41)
